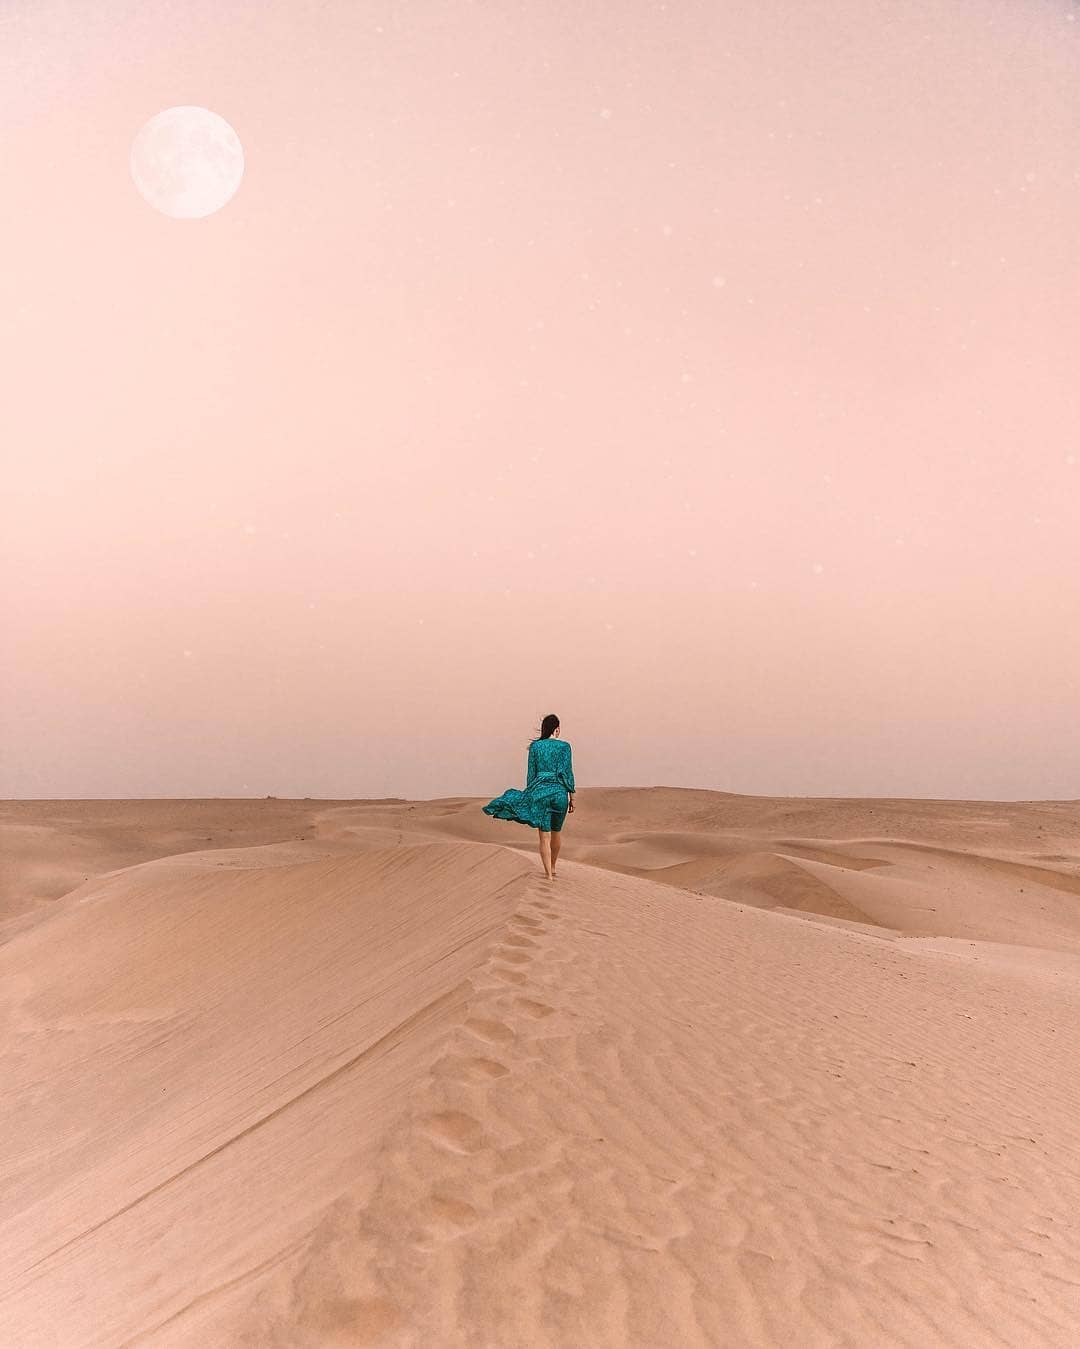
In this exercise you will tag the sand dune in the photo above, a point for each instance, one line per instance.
(749, 1072)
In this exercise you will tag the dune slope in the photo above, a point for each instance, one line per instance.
(196, 1059)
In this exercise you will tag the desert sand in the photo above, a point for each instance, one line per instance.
(748, 1072)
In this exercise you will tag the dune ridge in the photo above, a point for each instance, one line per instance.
(381, 1083)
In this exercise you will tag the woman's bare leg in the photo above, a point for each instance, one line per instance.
(545, 851)
(556, 844)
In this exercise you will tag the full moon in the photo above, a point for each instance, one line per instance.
(187, 162)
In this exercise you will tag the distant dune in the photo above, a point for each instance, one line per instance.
(749, 1072)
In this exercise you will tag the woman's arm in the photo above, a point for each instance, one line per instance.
(530, 771)
(569, 771)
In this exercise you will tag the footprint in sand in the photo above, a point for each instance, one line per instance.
(454, 1130)
(509, 976)
(523, 920)
(448, 1212)
(511, 956)
(475, 1068)
(516, 939)
(533, 1008)
(494, 1032)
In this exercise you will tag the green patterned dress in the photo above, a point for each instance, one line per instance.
(548, 780)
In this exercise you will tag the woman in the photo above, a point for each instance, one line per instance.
(548, 795)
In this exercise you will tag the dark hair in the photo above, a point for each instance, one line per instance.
(549, 724)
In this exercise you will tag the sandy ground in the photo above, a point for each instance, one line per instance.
(748, 1072)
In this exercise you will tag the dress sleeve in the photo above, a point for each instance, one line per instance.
(530, 771)
(569, 771)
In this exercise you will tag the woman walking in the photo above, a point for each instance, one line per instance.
(548, 795)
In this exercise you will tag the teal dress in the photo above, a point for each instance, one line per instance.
(549, 779)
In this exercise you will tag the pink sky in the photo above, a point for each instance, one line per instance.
(705, 373)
